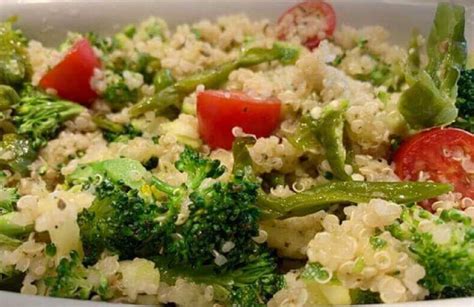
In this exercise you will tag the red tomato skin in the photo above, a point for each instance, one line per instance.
(71, 77)
(218, 112)
(325, 8)
(425, 152)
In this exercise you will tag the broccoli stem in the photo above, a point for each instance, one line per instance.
(325, 195)
(163, 186)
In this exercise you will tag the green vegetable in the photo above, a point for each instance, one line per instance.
(429, 100)
(13, 60)
(17, 153)
(250, 285)
(362, 297)
(50, 250)
(117, 94)
(329, 129)
(11, 279)
(143, 218)
(115, 132)
(377, 242)
(390, 76)
(449, 264)
(9, 228)
(304, 138)
(212, 78)
(129, 172)
(7, 241)
(106, 45)
(8, 199)
(315, 272)
(163, 79)
(8, 97)
(36, 119)
(39, 116)
(465, 101)
(322, 196)
(71, 280)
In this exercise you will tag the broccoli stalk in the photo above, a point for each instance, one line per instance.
(449, 264)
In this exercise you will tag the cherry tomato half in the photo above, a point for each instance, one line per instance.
(218, 112)
(442, 154)
(312, 21)
(71, 77)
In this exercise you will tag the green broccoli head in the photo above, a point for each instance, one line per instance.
(118, 94)
(465, 101)
(73, 280)
(118, 221)
(197, 167)
(448, 258)
(39, 116)
(221, 222)
(14, 67)
(8, 199)
(252, 283)
(193, 224)
(70, 280)
(17, 153)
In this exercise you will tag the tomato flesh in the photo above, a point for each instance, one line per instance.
(218, 112)
(300, 16)
(442, 154)
(71, 77)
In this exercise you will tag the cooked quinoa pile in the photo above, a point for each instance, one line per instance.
(315, 212)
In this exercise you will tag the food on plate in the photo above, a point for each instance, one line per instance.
(239, 162)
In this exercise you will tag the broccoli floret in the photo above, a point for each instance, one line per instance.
(29, 121)
(71, 280)
(117, 94)
(115, 132)
(39, 116)
(190, 223)
(252, 284)
(11, 279)
(8, 199)
(465, 101)
(363, 297)
(119, 221)
(197, 167)
(14, 67)
(17, 153)
(448, 262)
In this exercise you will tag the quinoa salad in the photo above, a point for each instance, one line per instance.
(238, 162)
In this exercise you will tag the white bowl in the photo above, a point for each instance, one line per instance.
(49, 21)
